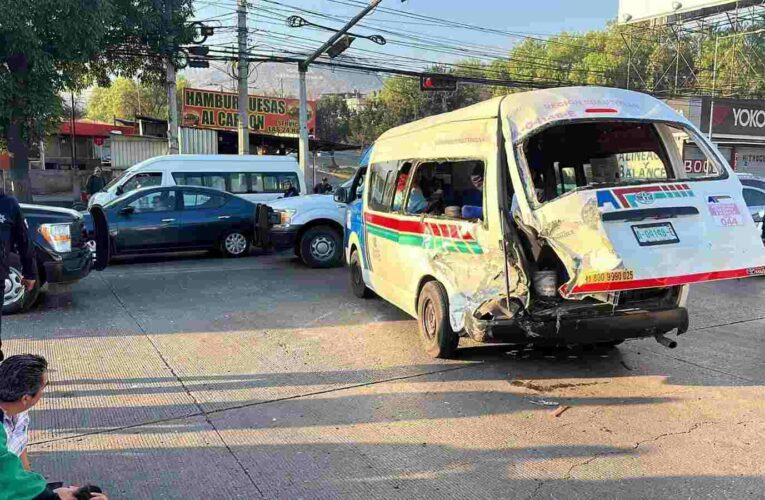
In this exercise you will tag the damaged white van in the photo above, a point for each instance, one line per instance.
(559, 216)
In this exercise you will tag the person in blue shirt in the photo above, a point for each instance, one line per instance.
(472, 200)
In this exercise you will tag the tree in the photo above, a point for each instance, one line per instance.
(332, 118)
(125, 98)
(51, 46)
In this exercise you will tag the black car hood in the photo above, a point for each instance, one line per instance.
(50, 214)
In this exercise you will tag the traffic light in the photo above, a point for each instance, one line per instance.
(437, 83)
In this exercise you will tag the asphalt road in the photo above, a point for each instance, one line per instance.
(258, 378)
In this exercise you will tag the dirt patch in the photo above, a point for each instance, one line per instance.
(540, 387)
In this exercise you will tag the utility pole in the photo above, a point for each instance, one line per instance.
(72, 135)
(172, 103)
(303, 68)
(244, 70)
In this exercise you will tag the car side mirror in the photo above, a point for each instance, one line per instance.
(759, 216)
(341, 195)
(120, 191)
(127, 210)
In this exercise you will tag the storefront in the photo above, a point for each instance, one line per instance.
(738, 130)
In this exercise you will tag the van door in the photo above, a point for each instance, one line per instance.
(635, 218)
(381, 226)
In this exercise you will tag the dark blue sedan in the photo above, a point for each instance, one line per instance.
(180, 218)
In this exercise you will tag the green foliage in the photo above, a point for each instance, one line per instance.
(51, 46)
(126, 99)
(333, 118)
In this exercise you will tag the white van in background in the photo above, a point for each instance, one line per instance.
(254, 178)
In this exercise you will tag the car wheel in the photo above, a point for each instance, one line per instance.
(321, 246)
(360, 290)
(438, 338)
(16, 298)
(235, 244)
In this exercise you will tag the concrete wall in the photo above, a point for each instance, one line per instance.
(46, 182)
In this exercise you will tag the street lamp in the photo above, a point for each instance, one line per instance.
(714, 73)
(303, 68)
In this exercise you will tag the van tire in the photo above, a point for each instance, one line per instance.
(436, 334)
(358, 287)
(24, 299)
(321, 247)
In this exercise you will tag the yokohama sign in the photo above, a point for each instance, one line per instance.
(734, 117)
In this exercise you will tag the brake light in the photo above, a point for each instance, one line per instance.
(601, 110)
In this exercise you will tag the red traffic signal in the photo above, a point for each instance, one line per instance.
(436, 83)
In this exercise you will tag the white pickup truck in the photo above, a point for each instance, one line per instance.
(314, 225)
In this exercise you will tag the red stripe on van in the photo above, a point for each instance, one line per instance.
(417, 227)
(615, 286)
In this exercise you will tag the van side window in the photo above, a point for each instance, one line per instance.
(238, 182)
(382, 183)
(277, 182)
(452, 188)
(400, 186)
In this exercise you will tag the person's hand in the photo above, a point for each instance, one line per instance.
(28, 284)
(66, 493)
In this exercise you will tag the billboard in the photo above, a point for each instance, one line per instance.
(736, 117)
(635, 11)
(267, 115)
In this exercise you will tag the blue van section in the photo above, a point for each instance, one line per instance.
(357, 228)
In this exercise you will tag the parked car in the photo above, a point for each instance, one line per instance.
(60, 254)
(754, 196)
(170, 219)
(313, 225)
(254, 178)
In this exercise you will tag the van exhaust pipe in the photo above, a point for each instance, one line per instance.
(665, 341)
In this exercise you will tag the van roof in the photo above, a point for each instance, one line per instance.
(218, 159)
(529, 111)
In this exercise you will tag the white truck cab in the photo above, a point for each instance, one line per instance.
(313, 225)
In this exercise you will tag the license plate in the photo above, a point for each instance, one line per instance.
(655, 234)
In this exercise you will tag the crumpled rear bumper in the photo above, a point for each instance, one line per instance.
(580, 330)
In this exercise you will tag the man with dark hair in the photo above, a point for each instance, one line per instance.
(324, 187)
(14, 239)
(22, 382)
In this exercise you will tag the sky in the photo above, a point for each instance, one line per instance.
(538, 17)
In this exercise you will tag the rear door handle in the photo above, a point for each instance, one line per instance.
(168, 220)
(222, 217)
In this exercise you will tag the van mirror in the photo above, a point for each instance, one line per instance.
(759, 216)
(341, 195)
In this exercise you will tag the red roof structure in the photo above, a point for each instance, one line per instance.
(90, 128)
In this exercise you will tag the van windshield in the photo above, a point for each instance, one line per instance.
(583, 155)
(115, 180)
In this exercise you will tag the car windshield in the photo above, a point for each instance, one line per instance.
(585, 155)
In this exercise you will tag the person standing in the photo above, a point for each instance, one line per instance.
(95, 182)
(324, 187)
(14, 239)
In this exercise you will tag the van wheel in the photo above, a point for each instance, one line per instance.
(16, 298)
(321, 246)
(360, 290)
(235, 244)
(436, 333)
